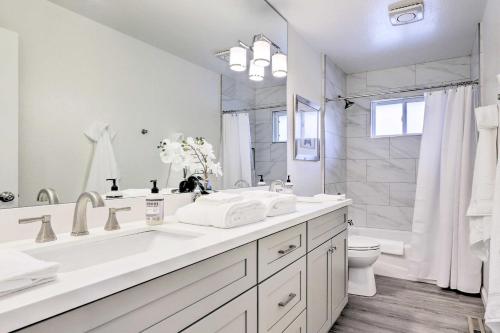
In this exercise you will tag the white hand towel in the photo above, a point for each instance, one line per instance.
(227, 215)
(483, 183)
(276, 203)
(330, 197)
(219, 198)
(392, 247)
(20, 271)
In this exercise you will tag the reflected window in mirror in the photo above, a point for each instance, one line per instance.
(280, 121)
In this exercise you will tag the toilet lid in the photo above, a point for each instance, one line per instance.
(363, 243)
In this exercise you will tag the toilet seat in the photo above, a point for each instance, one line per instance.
(359, 243)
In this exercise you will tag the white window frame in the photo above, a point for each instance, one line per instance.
(401, 100)
(276, 115)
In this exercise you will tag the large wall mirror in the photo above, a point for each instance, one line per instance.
(89, 89)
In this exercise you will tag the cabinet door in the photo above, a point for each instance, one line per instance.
(238, 316)
(339, 274)
(319, 312)
(298, 325)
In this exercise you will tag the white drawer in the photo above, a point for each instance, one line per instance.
(281, 249)
(237, 316)
(322, 228)
(176, 300)
(282, 298)
(298, 325)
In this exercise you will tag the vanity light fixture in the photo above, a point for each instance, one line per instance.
(262, 51)
(255, 73)
(280, 67)
(238, 58)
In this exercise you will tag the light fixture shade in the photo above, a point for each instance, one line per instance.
(255, 73)
(262, 53)
(280, 66)
(238, 58)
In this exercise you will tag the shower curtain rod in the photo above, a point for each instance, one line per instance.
(255, 109)
(389, 92)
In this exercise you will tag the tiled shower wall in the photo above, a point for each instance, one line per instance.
(270, 158)
(335, 130)
(381, 172)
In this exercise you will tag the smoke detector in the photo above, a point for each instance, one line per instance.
(406, 11)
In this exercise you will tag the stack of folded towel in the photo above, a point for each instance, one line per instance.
(320, 198)
(19, 271)
(228, 210)
(222, 210)
(276, 203)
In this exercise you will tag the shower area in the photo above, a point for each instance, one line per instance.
(378, 169)
(263, 108)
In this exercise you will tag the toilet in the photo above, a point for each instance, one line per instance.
(363, 252)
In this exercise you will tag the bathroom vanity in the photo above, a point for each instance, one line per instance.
(285, 274)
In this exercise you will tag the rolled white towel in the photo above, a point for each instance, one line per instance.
(19, 271)
(330, 197)
(218, 198)
(276, 203)
(228, 215)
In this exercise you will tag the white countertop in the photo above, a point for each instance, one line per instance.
(75, 288)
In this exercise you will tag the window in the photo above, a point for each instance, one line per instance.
(280, 127)
(402, 116)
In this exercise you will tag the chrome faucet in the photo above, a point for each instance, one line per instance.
(241, 183)
(80, 217)
(274, 188)
(46, 233)
(48, 194)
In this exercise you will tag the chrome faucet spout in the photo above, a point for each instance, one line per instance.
(80, 217)
(274, 188)
(48, 194)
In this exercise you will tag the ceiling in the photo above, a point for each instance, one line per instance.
(190, 29)
(358, 36)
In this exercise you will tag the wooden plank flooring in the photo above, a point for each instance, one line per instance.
(409, 307)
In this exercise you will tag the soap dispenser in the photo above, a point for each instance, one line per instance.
(155, 204)
(114, 193)
(261, 181)
(288, 186)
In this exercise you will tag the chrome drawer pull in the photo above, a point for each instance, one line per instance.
(290, 249)
(288, 300)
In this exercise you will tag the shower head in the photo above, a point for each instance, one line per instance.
(348, 104)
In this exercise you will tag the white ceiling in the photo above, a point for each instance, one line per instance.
(191, 29)
(358, 36)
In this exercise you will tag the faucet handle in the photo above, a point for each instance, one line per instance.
(112, 223)
(46, 233)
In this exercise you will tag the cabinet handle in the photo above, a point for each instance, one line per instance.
(288, 300)
(332, 249)
(290, 249)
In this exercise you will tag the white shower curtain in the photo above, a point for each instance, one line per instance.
(236, 149)
(440, 241)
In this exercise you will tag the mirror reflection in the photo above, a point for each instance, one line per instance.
(91, 91)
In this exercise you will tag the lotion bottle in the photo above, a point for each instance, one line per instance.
(155, 205)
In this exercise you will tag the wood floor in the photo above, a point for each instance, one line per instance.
(409, 307)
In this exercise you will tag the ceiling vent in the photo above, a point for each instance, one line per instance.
(406, 11)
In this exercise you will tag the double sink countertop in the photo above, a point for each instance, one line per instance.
(107, 262)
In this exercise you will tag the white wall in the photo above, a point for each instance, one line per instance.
(74, 71)
(490, 52)
(304, 79)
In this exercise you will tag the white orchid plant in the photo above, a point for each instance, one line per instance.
(193, 154)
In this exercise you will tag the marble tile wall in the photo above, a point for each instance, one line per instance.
(335, 131)
(381, 173)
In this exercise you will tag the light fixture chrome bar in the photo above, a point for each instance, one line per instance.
(400, 91)
(255, 108)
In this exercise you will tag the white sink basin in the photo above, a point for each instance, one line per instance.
(79, 255)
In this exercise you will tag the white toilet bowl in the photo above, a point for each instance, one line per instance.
(363, 252)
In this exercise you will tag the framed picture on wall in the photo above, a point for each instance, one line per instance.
(306, 129)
